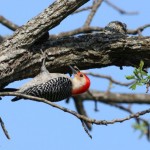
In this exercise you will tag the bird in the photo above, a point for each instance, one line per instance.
(55, 86)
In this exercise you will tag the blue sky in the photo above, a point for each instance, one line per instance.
(33, 125)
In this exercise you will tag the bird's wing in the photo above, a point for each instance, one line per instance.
(55, 89)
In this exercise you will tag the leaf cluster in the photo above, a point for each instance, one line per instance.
(140, 76)
(144, 128)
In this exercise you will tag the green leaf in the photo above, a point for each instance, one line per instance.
(139, 83)
(141, 65)
(130, 77)
(143, 81)
(137, 75)
(144, 73)
(133, 86)
(140, 76)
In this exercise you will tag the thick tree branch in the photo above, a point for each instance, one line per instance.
(87, 51)
(39, 25)
(108, 97)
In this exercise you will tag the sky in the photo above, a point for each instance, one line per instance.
(34, 125)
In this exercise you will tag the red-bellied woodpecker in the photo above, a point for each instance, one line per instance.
(55, 86)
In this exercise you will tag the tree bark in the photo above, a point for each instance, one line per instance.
(87, 51)
(108, 97)
(20, 55)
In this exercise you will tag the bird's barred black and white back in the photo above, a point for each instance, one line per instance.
(55, 89)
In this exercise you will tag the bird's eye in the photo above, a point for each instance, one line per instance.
(81, 75)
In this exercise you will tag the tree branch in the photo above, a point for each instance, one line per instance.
(109, 78)
(48, 19)
(77, 31)
(115, 97)
(81, 117)
(119, 9)
(139, 29)
(4, 128)
(82, 9)
(96, 5)
(8, 23)
(87, 51)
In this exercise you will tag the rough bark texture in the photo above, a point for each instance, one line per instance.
(87, 51)
(21, 54)
(26, 35)
(15, 52)
(116, 97)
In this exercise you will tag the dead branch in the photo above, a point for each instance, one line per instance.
(109, 78)
(96, 5)
(8, 23)
(4, 128)
(92, 121)
(119, 9)
(77, 31)
(80, 109)
(82, 9)
(139, 29)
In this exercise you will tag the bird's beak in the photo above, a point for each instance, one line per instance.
(75, 70)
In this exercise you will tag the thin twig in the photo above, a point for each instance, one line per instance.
(92, 121)
(139, 29)
(119, 9)
(77, 31)
(85, 129)
(109, 78)
(8, 23)
(4, 128)
(80, 109)
(82, 9)
(90, 29)
(95, 100)
(94, 9)
(137, 119)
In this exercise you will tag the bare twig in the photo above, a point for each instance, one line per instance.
(4, 128)
(90, 29)
(109, 78)
(85, 129)
(119, 9)
(139, 29)
(81, 30)
(82, 9)
(8, 23)
(138, 120)
(92, 121)
(80, 109)
(95, 100)
(95, 6)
